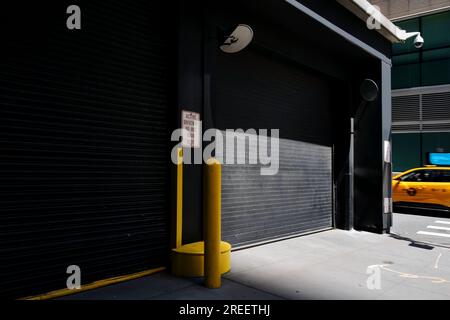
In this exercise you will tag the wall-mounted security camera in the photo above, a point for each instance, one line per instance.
(418, 41)
(238, 39)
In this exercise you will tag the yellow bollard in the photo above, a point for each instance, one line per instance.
(212, 221)
(179, 222)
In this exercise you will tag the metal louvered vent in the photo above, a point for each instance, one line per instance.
(406, 113)
(436, 126)
(436, 106)
(426, 111)
(404, 126)
(405, 108)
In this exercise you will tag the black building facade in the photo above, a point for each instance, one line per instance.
(87, 116)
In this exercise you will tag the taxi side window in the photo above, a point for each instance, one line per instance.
(442, 176)
(419, 176)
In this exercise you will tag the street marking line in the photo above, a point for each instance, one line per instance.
(436, 264)
(433, 234)
(438, 228)
(414, 276)
(441, 221)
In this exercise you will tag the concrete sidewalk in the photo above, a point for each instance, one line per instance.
(326, 265)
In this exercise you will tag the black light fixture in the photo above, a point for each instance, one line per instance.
(369, 93)
(369, 90)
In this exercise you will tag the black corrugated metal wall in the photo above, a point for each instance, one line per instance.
(296, 200)
(84, 153)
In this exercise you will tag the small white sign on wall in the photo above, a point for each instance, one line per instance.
(190, 122)
(387, 151)
(387, 205)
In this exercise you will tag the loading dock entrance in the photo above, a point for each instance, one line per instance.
(254, 90)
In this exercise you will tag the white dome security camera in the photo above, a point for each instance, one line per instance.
(418, 41)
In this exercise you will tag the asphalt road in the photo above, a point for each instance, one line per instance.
(422, 229)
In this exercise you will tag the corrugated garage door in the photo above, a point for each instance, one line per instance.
(84, 154)
(255, 90)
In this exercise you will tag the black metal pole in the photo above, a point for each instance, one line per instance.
(350, 176)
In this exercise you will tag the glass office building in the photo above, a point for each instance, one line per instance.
(421, 92)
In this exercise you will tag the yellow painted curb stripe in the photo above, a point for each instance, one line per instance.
(93, 285)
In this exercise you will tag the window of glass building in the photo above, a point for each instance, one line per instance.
(429, 65)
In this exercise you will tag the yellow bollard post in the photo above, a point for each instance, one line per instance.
(179, 220)
(212, 221)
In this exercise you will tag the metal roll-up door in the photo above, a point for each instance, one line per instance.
(84, 151)
(256, 90)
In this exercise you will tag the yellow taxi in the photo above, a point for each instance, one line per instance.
(426, 186)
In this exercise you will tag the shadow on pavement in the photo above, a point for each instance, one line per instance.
(422, 212)
(416, 243)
